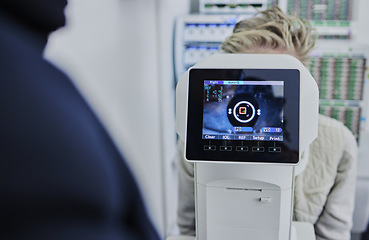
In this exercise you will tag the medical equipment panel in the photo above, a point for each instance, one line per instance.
(321, 9)
(234, 7)
(198, 36)
(331, 18)
(341, 87)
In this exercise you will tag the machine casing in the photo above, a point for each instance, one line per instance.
(252, 200)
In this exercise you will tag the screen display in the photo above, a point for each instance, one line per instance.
(243, 115)
(243, 110)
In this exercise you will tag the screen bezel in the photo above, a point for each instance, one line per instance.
(289, 147)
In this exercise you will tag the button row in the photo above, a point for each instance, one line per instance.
(242, 137)
(241, 148)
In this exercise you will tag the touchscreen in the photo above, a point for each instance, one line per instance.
(243, 110)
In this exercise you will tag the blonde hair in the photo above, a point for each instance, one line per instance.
(274, 30)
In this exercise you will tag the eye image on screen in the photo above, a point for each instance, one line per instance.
(243, 110)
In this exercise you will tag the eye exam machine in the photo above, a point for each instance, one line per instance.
(247, 121)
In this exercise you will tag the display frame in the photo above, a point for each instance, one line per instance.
(248, 151)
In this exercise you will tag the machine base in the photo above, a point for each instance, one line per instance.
(299, 231)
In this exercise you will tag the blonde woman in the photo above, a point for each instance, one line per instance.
(324, 192)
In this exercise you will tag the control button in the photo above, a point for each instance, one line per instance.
(226, 137)
(241, 149)
(210, 148)
(241, 137)
(274, 149)
(258, 149)
(265, 199)
(208, 136)
(225, 148)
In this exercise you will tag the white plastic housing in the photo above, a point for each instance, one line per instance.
(249, 201)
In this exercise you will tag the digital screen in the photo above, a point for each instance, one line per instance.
(243, 110)
(243, 115)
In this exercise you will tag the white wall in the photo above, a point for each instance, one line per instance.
(119, 54)
(168, 11)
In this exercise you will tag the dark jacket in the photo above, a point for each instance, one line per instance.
(61, 176)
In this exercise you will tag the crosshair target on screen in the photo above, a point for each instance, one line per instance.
(243, 110)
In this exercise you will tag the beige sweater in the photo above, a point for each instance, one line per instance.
(324, 192)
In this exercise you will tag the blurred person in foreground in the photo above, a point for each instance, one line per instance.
(324, 192)
(61, 176)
